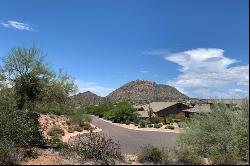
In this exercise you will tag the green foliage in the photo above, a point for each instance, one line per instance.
(127, 122)
(155, 120)
(121, 112)
(175, 118)
(79, 119)
(19, 127)
(222, 135)
(157, 126)
(118, 113)
(33, 83)
(8, 154)
(142, 124)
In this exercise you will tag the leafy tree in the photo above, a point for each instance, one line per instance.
(26, 72)
(222, 135)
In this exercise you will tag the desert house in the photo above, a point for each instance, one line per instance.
(165, 109)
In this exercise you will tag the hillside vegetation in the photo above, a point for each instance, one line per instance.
(145, 91)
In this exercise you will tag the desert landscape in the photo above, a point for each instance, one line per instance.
(163, 82)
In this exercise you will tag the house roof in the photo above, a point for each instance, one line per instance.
(156, 106)
(199, 108)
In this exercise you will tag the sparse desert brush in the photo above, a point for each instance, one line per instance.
(96, 147)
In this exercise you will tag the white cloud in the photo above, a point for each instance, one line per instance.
(208, 70)
(93, 87)
(17, 25)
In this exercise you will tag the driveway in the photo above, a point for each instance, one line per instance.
(131, 140)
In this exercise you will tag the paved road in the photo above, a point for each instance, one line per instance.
(132, 140)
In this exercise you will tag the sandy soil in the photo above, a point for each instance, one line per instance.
(133, 127)
(48, 160)
(47, 121)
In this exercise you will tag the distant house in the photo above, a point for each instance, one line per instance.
(165, 109)
(162, 109)
(198, 108)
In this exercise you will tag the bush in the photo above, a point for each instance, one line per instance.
(127, 122)
(221, 135)
(56, 139)
(150, 154)
(157, 125)
(121, 112)
(142, 124)
(150, 125)
(165, 156)
(79, 119)
(8, 155)
(20, 127)
(171, 127)
(97, 147)
(136, 122)
(155, 120)
(55, 131)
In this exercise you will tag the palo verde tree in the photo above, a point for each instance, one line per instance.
(26, 72)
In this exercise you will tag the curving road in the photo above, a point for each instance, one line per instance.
(132, 140)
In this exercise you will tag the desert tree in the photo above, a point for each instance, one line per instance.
(25, 71)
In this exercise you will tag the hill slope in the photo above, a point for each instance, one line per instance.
(87, 98)
(141, 91)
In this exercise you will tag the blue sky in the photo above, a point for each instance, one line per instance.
(200, 47)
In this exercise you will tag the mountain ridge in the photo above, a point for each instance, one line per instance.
(137, 91)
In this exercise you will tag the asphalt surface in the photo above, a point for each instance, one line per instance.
(131, 140)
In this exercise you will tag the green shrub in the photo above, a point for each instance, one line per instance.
(155, 120)
(157, 125)
(221, 135)
(55, 131)
(79, 119)
(8, 155)
(96, 147)
(136, 122)
(56, 139)
(121, 112)
(150, 125)
(20, 127)
(127, 122)
(142, 124)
